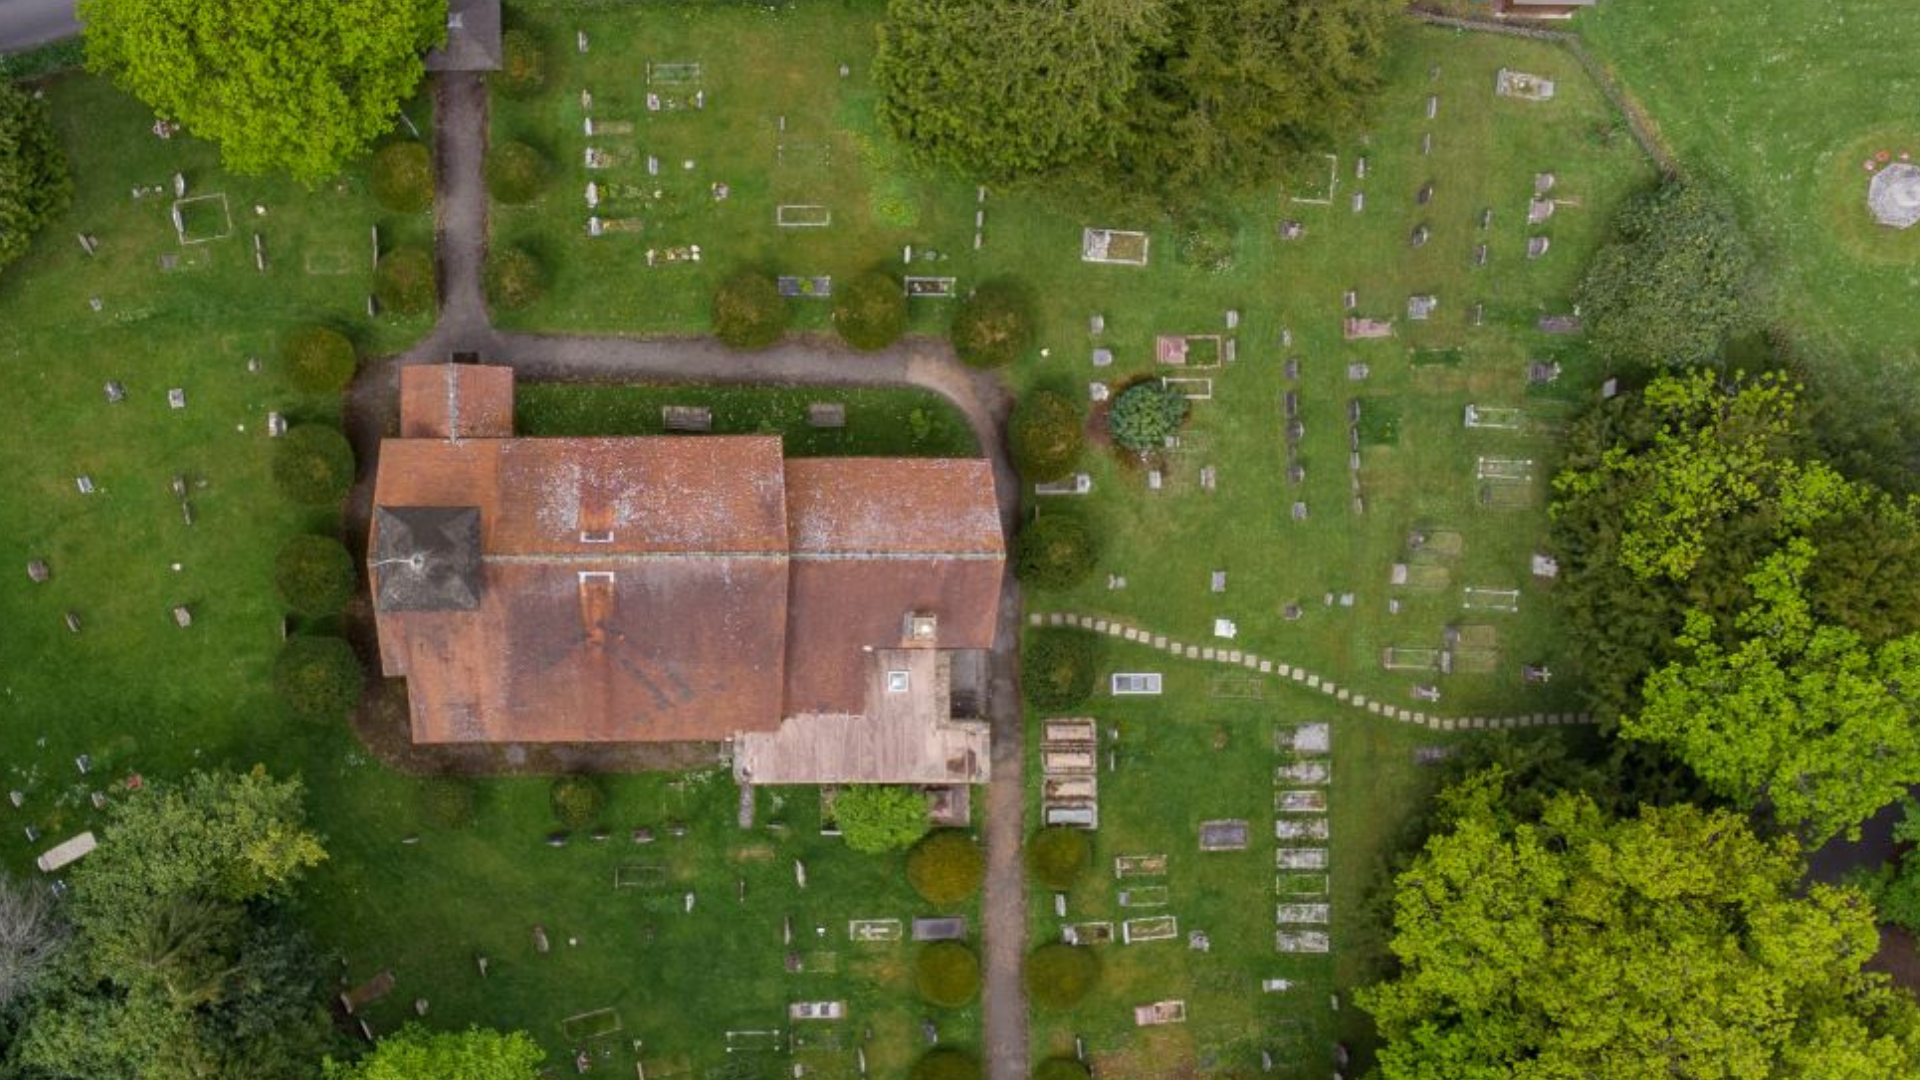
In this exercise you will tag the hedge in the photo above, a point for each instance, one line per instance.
(1058, 976)
(947, 974)
(404, 281)
(402, 177)
(318, 678)
(870, 312)
(1057, 551)
(1045, 435)
(313, 465)
(1057, 667)
(993, 326)
(516, 173)
(946, 1063)
(946, 867)
(1056, 857)
(314, 575)
(748, 311)
(317, 360)
(515, 278)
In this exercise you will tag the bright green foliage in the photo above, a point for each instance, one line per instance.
(313, 464)
(318, 678)
(1058, 976)
(515, 277)
(748, 311)
(947, 974)
(1801, 714)
(1057, 856)
(1676, 284)
(875, 818)
(1006, 88)
(415, 1053)
(516, 173)
(946, 1063)
(993, 326)
(447, 801)
(1058, 666)
(1057, 551)
(402, 177)
(404, 283)
(1670, 944)
(34, 184)
(299, 85)
(1046, 434)
(1144, 415)
(946, 867)
(577, 801)
(318, 360)
(314, 575)
(523, 65)
(870, 312)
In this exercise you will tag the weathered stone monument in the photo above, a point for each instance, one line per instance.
(1894, 195)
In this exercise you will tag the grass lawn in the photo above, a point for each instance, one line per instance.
(1785, 100)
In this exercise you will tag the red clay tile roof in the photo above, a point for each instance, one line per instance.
(466, 401)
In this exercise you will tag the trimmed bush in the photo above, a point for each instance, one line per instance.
(1059, 976)
(1056, 857)
(878, 817)
(1145, 414)
(947, 974)
(577, 801)
(514, 277)
(317, 360)
(748, 311)
(314, 575)
(516, 173)
(870, 312)
(402, 177)
(946, 1063)
(446, 802)
(1045, 435)
(993, 326)
(318, 678)
(1061, 1069)
(1055, 552)
(313, 465)
(1057, 667)
(404, 282)
(523, 65)
(946, 867)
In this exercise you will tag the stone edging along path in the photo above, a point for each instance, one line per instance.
(1341, 694)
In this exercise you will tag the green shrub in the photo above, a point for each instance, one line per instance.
(1059, 976)
(515, 278)
(877, 817)
(404, 282)
(447, 802)
(1145, 414)
(577, 801)
(946, 1063)
(993, 326)
(947, 974)
(1045, 436)
(314, 575)
(1061, 1069)
(1056, 857)
(402, 177)
(1057, 551)
(523, 65)
(317, 360)
(318, 678)
(946, 867)
(35, 185)
(1057, 667)
(870, 312)
(313, 465)
(748, 311)
(1203, 239)
(516, 173)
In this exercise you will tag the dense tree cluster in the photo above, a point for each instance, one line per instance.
(34, 183)
(415, 1053)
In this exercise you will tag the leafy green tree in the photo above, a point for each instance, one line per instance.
(1059, 976)
(415, 1053)
(1802, 715)
(748, 311)
(1058, 667)
(298, 86)
(946, 867)
(403, 282)
(314, 575)
(318, 678)
(1674, 943)
(993, 325)
(1676, 283)
(870, 312)
(1005, 88)
(34, 183)
(1144, 415)
(402, 177)
(1056, 551)
(947, 974)
(878, 817)
(1046, 435)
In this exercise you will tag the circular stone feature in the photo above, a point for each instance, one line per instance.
(1894, 195)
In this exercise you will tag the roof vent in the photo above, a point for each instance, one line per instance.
(922, 629)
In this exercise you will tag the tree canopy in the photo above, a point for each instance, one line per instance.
(34, 182)
(415, 1053)
(295, 85)
(1673, 943)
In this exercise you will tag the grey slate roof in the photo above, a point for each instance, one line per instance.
(473, 38)
(426, 558)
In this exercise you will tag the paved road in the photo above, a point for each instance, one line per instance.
(26, 23)
(460, 125)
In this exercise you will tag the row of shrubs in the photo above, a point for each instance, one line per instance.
(991, 327)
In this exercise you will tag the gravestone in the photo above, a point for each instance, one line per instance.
(116, 393)
(37, 570)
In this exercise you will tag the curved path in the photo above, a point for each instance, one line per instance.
(460, 201)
